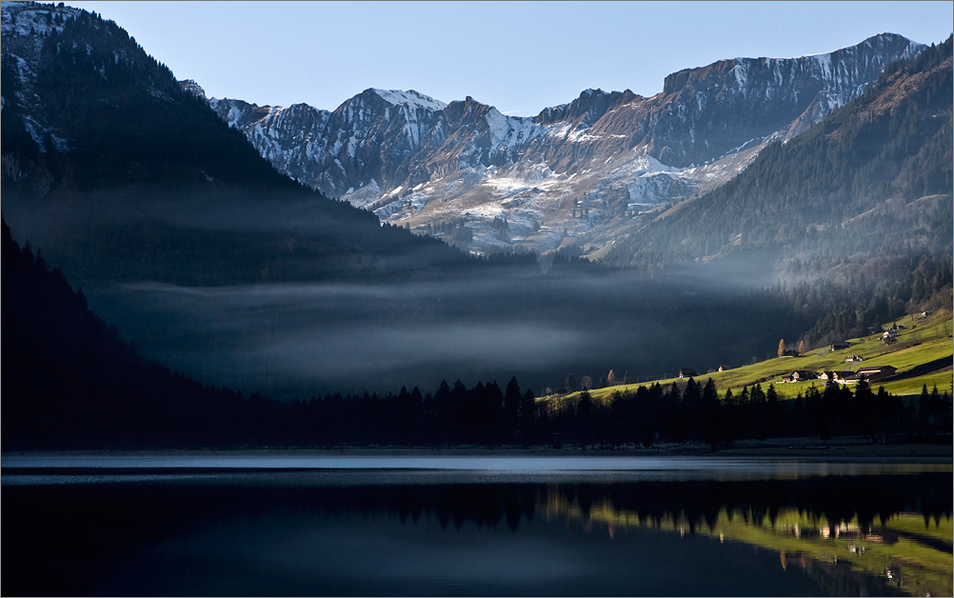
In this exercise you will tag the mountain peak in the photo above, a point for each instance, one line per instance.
(587, 108)
(411, 98)
(190, 86)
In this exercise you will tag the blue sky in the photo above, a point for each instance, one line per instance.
(518, 56)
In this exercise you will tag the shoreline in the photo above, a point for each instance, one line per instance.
(800, 451)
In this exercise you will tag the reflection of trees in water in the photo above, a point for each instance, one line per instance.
(86, 531)
(836, 499)
(485, 505)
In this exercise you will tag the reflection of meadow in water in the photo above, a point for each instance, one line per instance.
(457, 533)
(911, 552)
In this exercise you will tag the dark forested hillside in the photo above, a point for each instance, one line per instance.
(858, 210)
(70, 381)
(118, 173)
(111, 114)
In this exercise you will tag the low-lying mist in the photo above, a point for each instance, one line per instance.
(296, 340)
(295, 295)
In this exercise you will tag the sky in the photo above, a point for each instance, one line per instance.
(520, 57)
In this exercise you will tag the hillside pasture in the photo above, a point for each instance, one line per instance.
(919, 341)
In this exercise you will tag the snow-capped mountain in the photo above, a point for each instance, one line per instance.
(578, 174)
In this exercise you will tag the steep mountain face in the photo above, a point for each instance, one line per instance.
(581, 174)
(119, 172)
(890, 147)
(858, 209)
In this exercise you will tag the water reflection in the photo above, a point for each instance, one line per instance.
(907, 552)
(318, 533)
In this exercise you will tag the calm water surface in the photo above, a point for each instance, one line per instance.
(280, 524)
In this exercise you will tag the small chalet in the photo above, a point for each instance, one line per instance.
(688, 373)
(837, 346)
(853, 358)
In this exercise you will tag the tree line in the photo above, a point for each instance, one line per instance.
(488, 415)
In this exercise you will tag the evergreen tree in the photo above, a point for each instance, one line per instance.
(512, 399)
(759, 413)
(714, 421)
(570, 384)
(775, 412)
(584, 418)
(528, 415)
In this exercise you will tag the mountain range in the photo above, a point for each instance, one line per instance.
(580, 175)
(178, 228)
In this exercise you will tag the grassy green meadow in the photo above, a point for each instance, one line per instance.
(921, 341)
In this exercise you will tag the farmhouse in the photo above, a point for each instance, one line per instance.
(839, 377)
(687, 373)
(838, 345)
(872, 373)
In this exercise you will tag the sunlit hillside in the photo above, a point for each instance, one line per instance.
(921, 354)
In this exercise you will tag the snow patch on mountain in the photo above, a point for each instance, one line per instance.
(410, 98)
(508, 132)
(24, 19)
(190, 86)
(25, 27)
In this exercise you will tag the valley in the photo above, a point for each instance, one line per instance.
(697, 342)
(403, 242)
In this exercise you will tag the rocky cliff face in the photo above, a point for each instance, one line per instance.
(579, 174)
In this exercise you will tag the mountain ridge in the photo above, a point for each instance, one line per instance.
(856, 211)
(569, 175)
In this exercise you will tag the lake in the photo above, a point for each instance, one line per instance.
(274, 523)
